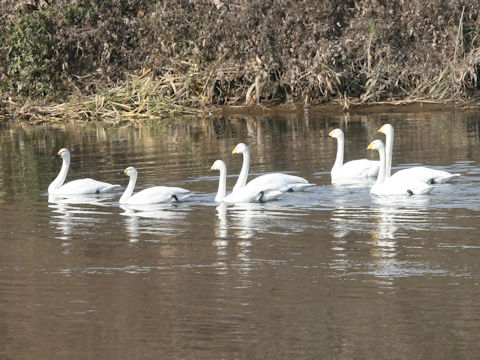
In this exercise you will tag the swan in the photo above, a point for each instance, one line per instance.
(361, 169)
(420, 173)
(153, 195)
(272, 181)
(391, 185)
(76, 187)
(248, 193)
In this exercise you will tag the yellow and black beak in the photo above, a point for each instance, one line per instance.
(381, 128)
(234, 151)
(57, 155)
(370, 146)
(212, 167)
(331, 133)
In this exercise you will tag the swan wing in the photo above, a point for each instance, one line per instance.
(281, 182)
(84, 187)
(393, 186)
(424, 174)
(361, 169)
(253, 193)
(159, 194)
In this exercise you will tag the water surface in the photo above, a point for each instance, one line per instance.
(328, 273)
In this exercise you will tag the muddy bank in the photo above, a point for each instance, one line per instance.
(144, 58)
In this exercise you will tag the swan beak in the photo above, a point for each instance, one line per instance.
(57, 155)
(381, 128)
(370, 146)
(212, 167)
(234, 151)
(330, 133)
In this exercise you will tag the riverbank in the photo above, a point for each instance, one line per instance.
(132, 60)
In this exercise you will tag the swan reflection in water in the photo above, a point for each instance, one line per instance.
(241, 231)
(239, 224)
(248, 220)
(152, 219)
(395, 217)
(386, 220)
(69, 212)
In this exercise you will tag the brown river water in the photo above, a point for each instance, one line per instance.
(330, 273)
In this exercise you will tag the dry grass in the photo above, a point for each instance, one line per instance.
(232, 52)
(142, 97)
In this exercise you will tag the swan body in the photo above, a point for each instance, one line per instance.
(153, 195)
(392, 185)
(76, 187)
(272, 181)
(246, 194)
(355, 170)
(419, 173)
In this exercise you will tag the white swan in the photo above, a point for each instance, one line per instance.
(391, 185)
(354, 170)
(420, 173)
(272, 181)
(246, 194)
(76, 187)
(153, 195)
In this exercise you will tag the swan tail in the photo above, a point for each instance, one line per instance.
(444, 179)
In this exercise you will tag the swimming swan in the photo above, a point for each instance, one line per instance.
(361, 169)
(420, 173)
(391, 185)
(153, 195)
(272, 181)
(76, 187)
(246, 194)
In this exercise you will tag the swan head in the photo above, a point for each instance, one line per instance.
(240, 149)
(130, 171)
(63, 153)
(336, 133)
(375, 145)
(218, 165)
(387, 129)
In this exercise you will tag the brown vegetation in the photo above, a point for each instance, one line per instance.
(125, 57)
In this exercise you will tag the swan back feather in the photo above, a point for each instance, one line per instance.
(272, 181)
(153, 195)
(419, 173)
(76, 187)
(394, 186)
(361, 169)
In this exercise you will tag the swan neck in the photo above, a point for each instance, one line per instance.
(389, 153)
(127, 194)
(381, 171)
(242, 177)
(62, 175)
(221, 185)
(340, 152)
